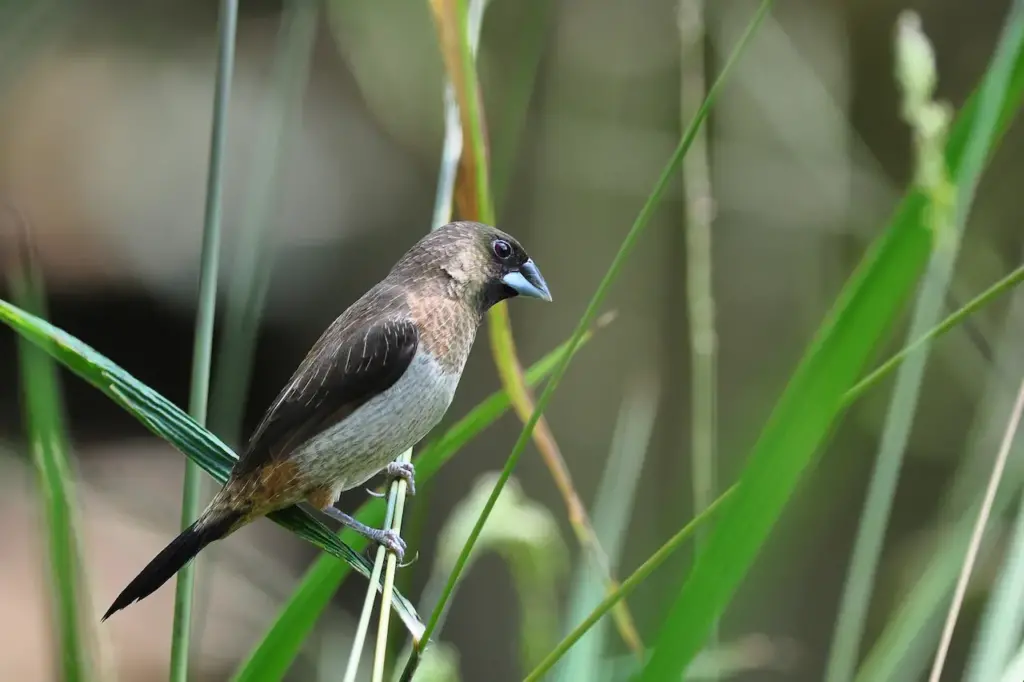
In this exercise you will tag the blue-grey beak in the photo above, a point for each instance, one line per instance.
(527, 281)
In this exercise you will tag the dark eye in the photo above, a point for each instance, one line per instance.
(502, 249)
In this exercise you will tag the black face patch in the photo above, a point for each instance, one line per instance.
(495, 291)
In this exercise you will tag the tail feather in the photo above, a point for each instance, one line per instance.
(172, 558)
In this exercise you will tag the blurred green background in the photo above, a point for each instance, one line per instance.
(104, 136)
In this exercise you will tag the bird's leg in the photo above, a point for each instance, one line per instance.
(389, 538)
(398, 470)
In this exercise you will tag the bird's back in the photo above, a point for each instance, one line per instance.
(355, 403)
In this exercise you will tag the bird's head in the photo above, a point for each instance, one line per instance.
(478, 263)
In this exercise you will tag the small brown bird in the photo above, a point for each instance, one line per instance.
(375, 383)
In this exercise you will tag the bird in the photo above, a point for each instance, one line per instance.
(375, 382)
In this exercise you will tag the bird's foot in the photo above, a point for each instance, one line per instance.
(393, 542)
(389, 539)
(404, 471)
(394, 471)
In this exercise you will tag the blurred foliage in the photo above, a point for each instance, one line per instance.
(106, 114)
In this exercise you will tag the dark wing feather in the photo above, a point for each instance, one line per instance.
(342, 371)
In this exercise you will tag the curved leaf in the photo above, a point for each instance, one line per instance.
(170, 423)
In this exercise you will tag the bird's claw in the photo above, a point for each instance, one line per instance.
(410, 562)
(393, 542)
(404, 471)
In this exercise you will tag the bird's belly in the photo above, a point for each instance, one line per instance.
(354, 450)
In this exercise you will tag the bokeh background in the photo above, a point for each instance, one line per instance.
(104, 138)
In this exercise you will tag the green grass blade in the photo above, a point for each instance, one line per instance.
(612, 507)
(1003, 622)
(48, 441)
(474, 198)
(905, 644)
(1004, 285)
(901, 651)
(202, 349)
(628, 585)
(800, 422)
(625, 249)
(932, 180)
(170, 423)
(277, 649)
(250, 279)
(948, 222)
(807, 410)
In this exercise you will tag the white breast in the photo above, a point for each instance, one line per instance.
(351, 452)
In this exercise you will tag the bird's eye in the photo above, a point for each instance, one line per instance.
(502, 249)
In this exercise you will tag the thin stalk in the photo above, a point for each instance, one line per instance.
(905, 647)
(947, 214)
(934, 183)
(699, 258)
(996, 82)
(1002, 623)
(503, 346)
(203, 345)
(589, 315)
(1001, 627)
(458, 27)
(976, 536)
(628, 585)
(612, 508)
(280, 645)
(250, 278)
(380, 652)
(371, 593)
(451, 152)
(954, 320)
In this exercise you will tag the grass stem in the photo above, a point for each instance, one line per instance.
(203, 344)
(363, 627)
(643, 572)
(589, 315)
(946, 215)
(699, 209)
(459, 30)
(398, 493)
(976, 536)
(933, 180)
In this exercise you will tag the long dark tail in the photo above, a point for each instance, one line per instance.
(174, 556)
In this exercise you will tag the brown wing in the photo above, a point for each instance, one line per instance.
(342, 371)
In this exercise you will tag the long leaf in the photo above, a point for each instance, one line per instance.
(807, 410)
(48, 440)
(948, 219)
(277, 650)
(170, 423)
(925, 593)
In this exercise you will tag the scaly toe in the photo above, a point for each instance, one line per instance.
(405, 471)
(394, 543)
